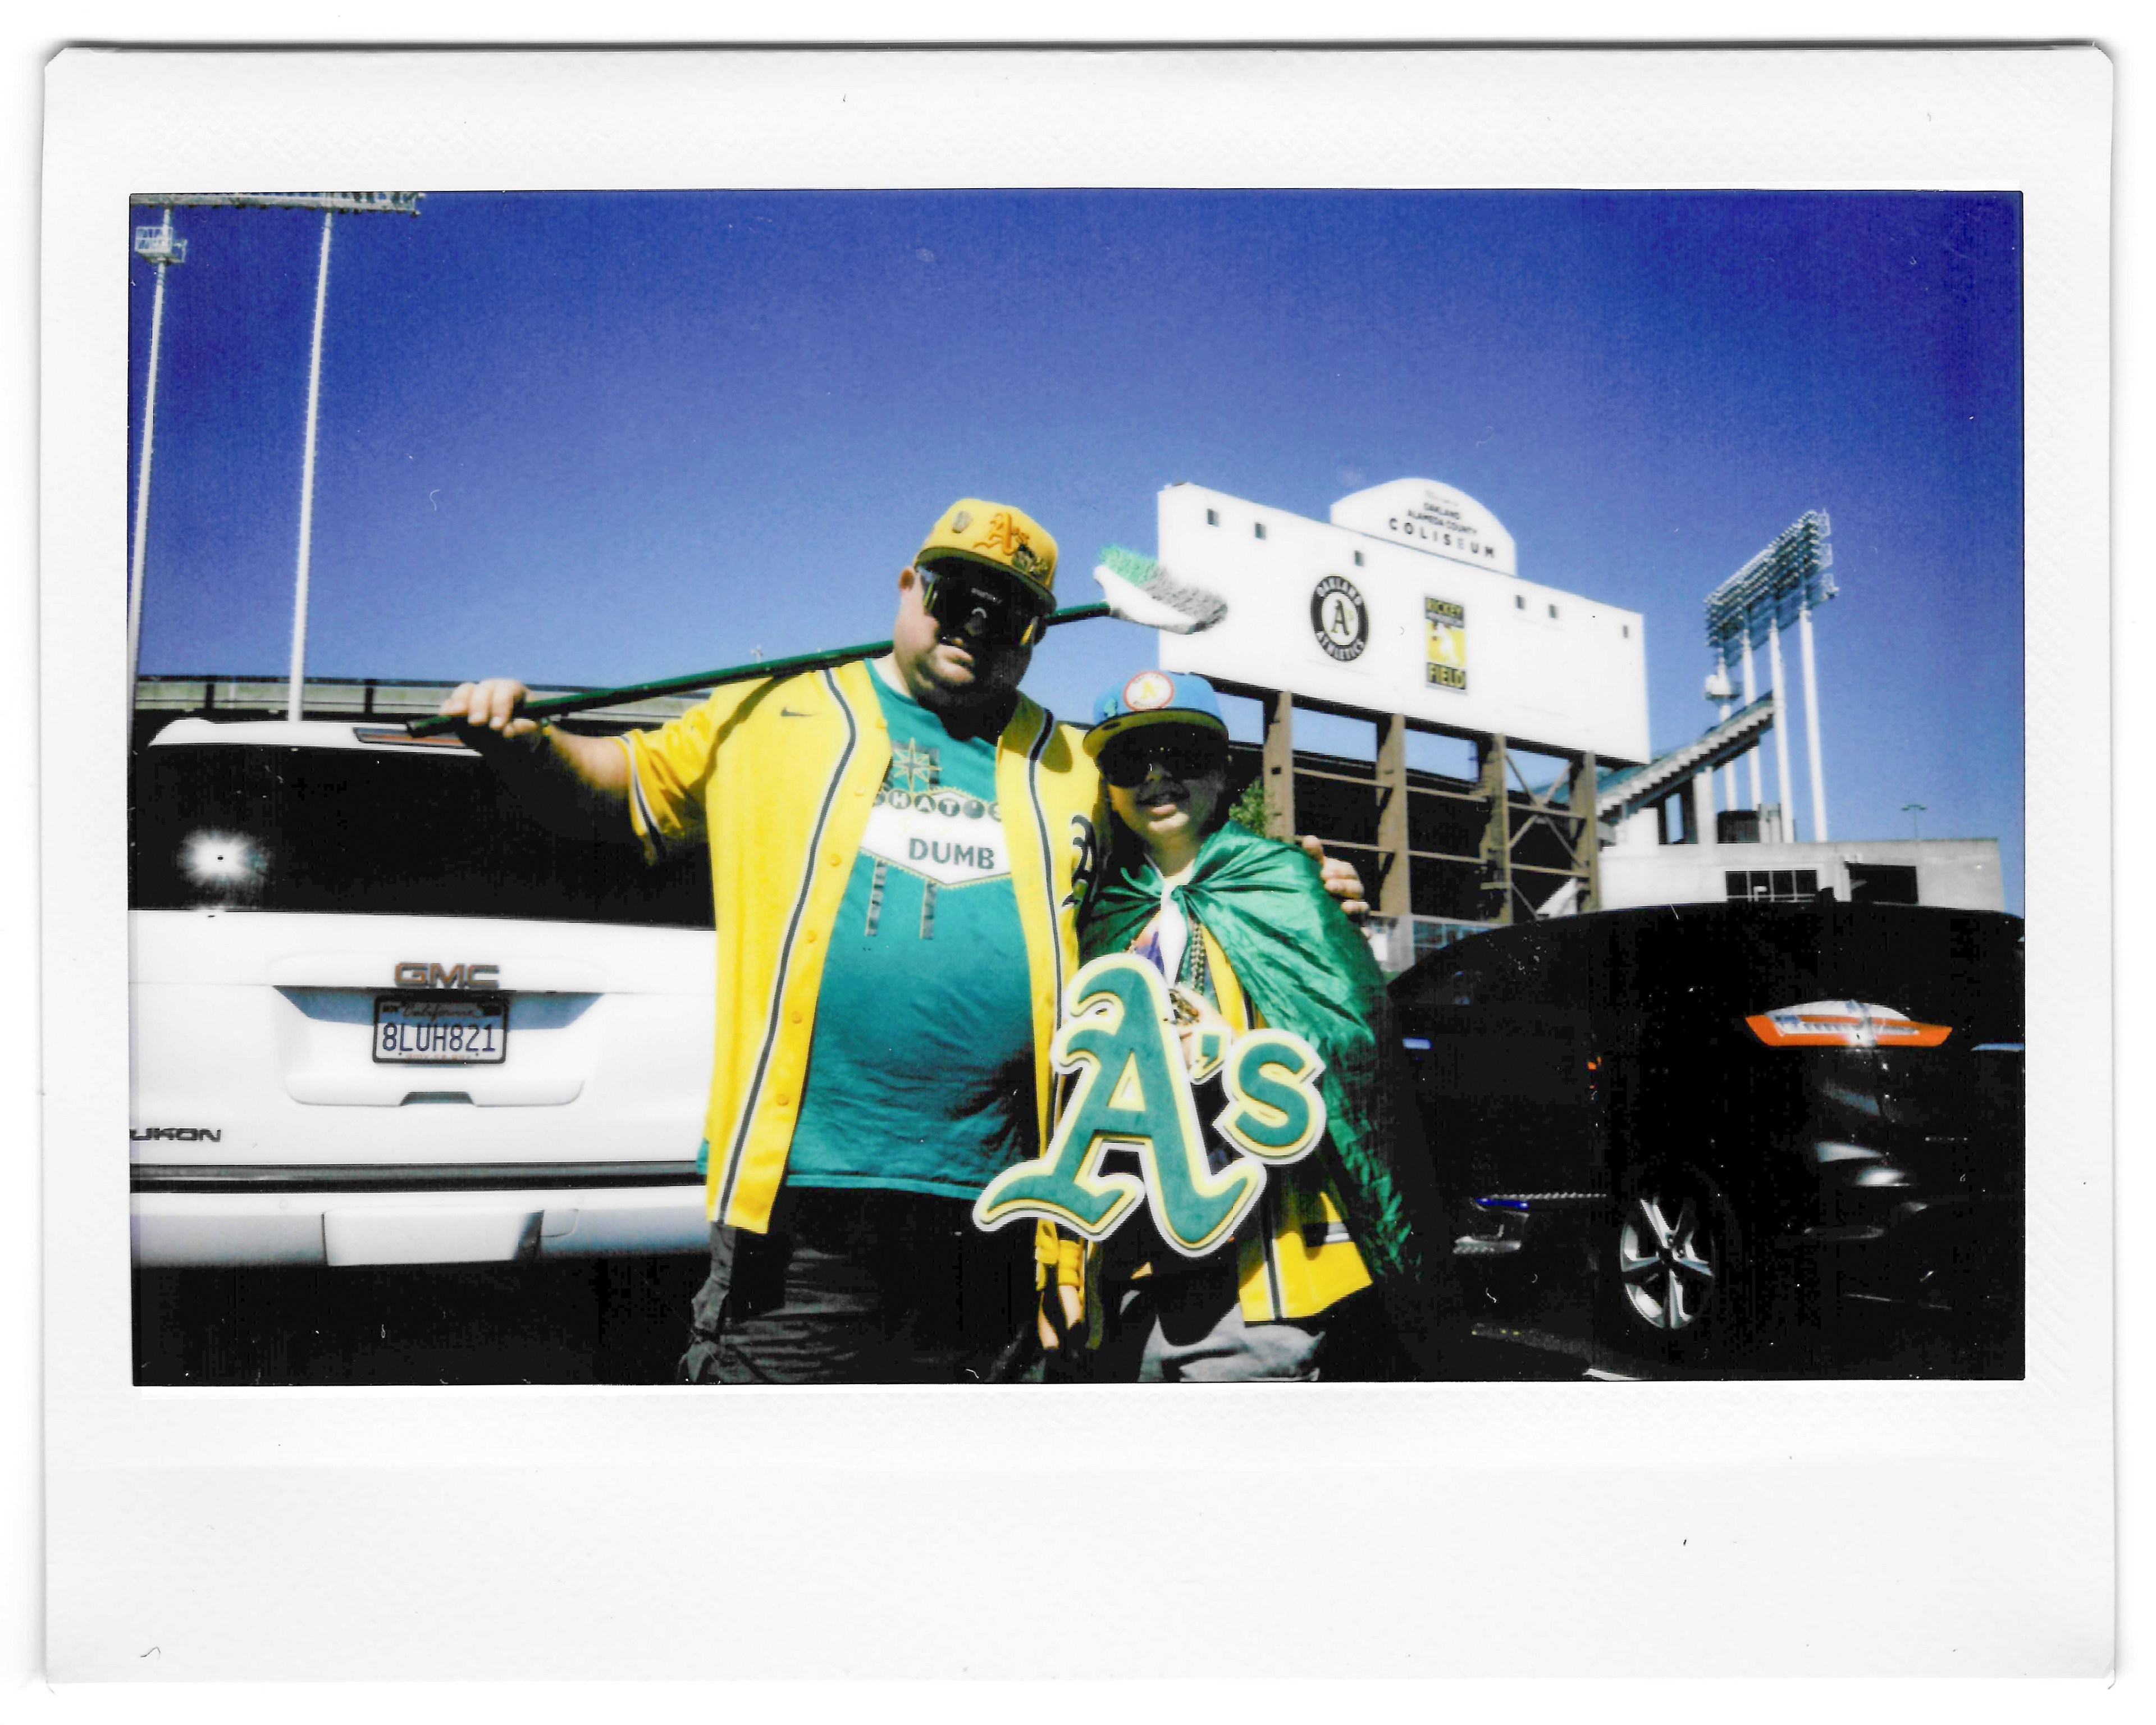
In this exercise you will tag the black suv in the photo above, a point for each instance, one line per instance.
(1754, 1109)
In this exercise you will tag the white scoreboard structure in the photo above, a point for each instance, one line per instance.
(1407, 600)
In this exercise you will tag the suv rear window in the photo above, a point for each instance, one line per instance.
(355, 832)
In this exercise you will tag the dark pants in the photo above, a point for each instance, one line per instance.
(1189, 1328)
(1186, 1327)
(860, 1287)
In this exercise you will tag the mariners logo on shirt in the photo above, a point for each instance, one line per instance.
(930, 830)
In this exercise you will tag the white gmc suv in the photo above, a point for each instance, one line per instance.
(380, 1016)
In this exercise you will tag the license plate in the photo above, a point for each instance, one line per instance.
(441, 1030)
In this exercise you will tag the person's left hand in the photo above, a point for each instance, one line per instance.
(1057, 1313)
(1340, 878)
(1195, 1014)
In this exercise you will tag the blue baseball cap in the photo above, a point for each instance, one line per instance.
(1155, 697)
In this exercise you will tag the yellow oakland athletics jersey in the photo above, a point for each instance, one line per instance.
(778, 779)
(1301, 1258)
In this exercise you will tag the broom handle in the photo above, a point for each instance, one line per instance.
(554, 706)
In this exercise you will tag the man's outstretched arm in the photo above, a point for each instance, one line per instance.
(577, 785)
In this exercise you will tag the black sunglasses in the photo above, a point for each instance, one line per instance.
(1180, 754)
(1006, 617)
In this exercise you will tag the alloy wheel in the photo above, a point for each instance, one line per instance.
(1666, 1259)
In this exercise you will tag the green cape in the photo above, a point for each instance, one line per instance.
(1308, 969)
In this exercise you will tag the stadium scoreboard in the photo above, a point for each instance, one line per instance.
(1407, 600)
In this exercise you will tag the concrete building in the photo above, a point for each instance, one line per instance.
(1961, 874)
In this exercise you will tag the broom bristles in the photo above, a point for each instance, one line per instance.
(1139, 590)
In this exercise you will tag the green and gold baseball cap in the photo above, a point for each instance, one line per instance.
(993, 535)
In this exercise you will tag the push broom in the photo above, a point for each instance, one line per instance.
(1137, 590)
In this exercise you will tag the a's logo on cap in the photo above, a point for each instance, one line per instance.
(1004, 538)
(1146, 691)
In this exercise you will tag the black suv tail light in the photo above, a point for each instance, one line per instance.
(1843, 1024)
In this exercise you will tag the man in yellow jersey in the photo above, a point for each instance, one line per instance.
(898, 851)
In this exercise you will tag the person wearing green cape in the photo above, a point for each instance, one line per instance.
(1242, 930)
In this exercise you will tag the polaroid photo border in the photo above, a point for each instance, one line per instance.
(287, 1533)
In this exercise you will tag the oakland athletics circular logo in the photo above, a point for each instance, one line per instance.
(1146, 691)
(1339, 619)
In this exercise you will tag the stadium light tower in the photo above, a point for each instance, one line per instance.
(332, 204)
(1786, 583)
(163, 247)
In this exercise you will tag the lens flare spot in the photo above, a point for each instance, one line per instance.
(226, 866)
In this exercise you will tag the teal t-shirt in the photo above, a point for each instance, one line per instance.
(920, 1074)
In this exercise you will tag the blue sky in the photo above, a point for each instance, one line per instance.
(600, 438)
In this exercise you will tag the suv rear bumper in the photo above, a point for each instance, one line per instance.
(1955, 1253)
(393, 1214)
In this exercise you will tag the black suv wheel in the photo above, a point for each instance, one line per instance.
(1673, 1278)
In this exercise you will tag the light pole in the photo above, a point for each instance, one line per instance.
(1913, 810)
(160, 246)
(307, 480)
(1786, 582)
(329, 203)
(1812, 719)
(1783, 787)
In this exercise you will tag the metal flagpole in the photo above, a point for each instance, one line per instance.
(307, 479)
(161, 249)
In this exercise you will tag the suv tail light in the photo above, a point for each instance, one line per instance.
(1843, 1024)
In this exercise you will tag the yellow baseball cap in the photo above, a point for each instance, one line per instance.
(994, 536)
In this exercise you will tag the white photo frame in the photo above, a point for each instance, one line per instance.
(670, 1533)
